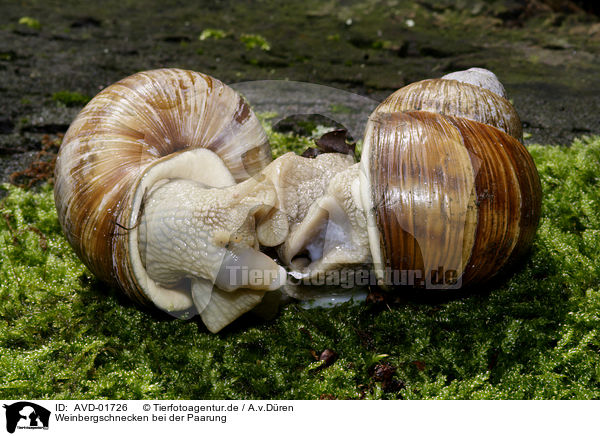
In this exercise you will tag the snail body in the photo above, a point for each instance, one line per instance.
(446, 192)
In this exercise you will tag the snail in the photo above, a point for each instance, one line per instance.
(444, 196)
(139, 165)
(165, 187)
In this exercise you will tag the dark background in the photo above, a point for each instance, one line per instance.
(545, 52)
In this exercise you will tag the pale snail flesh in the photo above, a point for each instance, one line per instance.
(185, 224)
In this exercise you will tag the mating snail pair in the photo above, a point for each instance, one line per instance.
(166, 188)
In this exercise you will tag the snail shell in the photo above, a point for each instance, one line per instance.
(446, 195)
(456, 98)
(144, 128)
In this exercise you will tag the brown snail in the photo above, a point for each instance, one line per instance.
(160, 129)
(472, 188)
(447, 200)
(444, 193)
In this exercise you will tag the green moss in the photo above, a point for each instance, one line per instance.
(70, 98)
(212, 34)
(64, 334)
(282, 143)
(30, 22)
(251, 41)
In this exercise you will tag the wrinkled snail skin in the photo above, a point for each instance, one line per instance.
(210, 243)
(130, 141)
(314, 224)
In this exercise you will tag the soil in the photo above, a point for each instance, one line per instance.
(55, 55)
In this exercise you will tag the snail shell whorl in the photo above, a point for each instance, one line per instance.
(447, 193)
(479, 77)
(451, 97)
(131, 127)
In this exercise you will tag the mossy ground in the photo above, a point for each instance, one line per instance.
(64, 334)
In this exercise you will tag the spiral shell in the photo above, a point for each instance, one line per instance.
(451, 97)
(453, 199)
(135, 132)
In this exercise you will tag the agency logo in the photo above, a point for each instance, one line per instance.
(26, 415)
